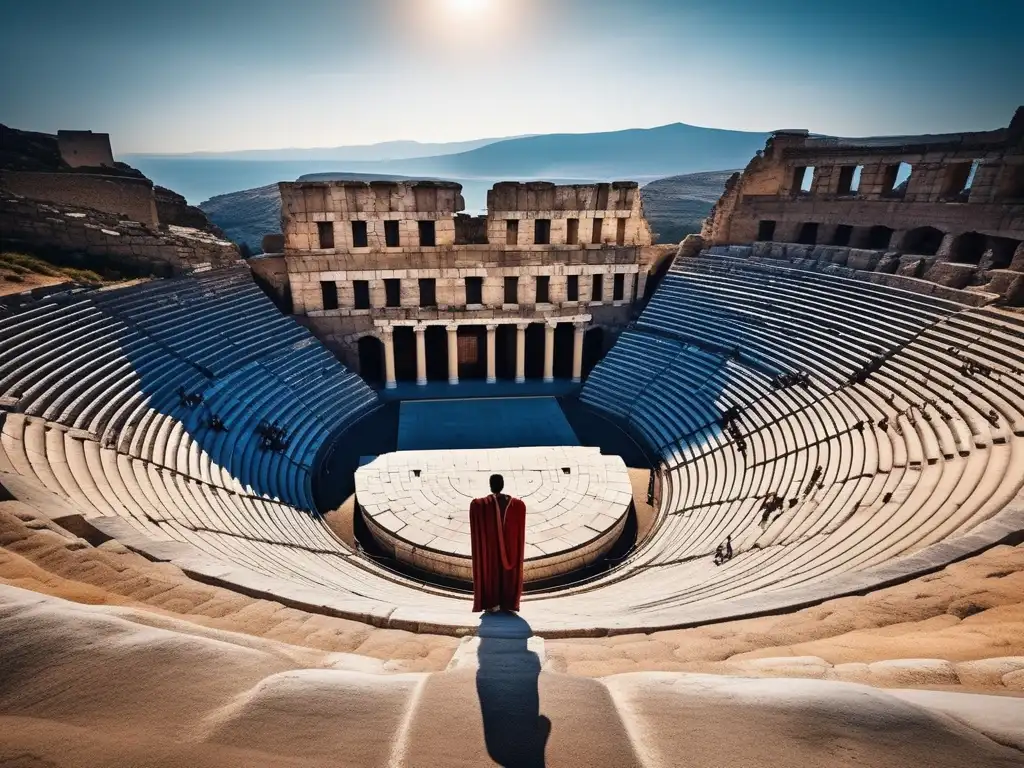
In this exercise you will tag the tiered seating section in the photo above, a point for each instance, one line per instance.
(93, 382)
(918, 453)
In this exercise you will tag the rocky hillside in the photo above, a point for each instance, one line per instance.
(674, 206)
(111, 220)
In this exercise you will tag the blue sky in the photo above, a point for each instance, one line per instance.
(212, 75)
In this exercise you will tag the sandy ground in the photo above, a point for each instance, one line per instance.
(960, 628)
(645, 513)
(27, 283)
(341, 521)
(109, 686)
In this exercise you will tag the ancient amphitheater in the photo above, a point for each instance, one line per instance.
(853, 431)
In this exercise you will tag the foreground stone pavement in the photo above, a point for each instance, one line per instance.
(104, 686)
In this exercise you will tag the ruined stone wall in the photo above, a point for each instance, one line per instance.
(304, 205)
(465, 250)
(39, 227)
(935, 213)
(448, 269)
(570, 213)
(127, 198)
(85, 149)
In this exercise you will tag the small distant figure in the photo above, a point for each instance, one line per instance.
(992, 417)
(771, 503)
(189, 399)
(793, 502)
(887, 498)
(272, 437)
(217, 424)
(723, 553)
(859, 426)
(883, 423)
(815, 480)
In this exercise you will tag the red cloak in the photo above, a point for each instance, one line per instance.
(498, 550)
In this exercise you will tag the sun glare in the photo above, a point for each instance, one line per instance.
(468, 6)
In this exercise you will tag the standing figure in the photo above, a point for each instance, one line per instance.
(497, 526)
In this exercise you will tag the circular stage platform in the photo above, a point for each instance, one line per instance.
(416, 505)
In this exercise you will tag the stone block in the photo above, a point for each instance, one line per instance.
(860, 258)
(951, 275)
(910, 266)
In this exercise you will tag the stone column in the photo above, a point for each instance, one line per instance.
(453, 354)
(577, 352)
(491, 353)
(421, 355)
(389, 358)
(641, 283)
(549, 352)
(521, 352)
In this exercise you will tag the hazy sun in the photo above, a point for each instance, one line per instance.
(468, 6)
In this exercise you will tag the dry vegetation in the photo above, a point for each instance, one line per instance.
(21, 272)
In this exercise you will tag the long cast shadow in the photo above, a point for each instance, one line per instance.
(515, 732)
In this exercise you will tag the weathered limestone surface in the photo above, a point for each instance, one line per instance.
(350, 241)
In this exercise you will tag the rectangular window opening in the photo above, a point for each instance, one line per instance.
(849, 179)
(393, 292)
(959, 179)
(542, 231)
(765, 230)
(392, 238)
(597, 289)
(474, 290)
(511, 290)
(803, 178)
(428, 292)
(329, 293)
(512, 232)
(808, 234)
(596, 236)
(360, 237)
(428, 234)
(572, 288)
(325, 233)
(361, 289)
(543, 283)
(896, 179)
(618, 287)
(842, 235)
(572, 231)
(620, 232)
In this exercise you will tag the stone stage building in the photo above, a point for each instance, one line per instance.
(403, 287)
(951, 206)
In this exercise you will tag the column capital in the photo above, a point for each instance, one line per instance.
(386, 330)
(452, 327)
(419, 328)
(522, 326)
(552, 324)
(580, 326)
(492, 327)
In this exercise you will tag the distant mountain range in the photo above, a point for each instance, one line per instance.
(674, 206)
(387, 150)
(638, 154)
